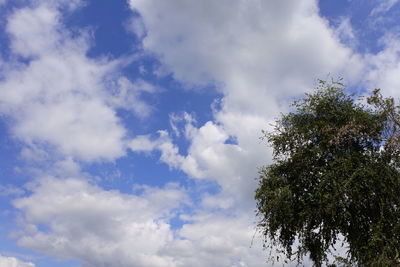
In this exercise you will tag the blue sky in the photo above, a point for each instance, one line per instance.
(129, 129)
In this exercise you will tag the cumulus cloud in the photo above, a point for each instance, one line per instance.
(59, 97)
(211, 156)
(216, 240)
(73, 219)
(257, 50)
(101, 228)
(260, 54)
(169, 152)
(14, 262)
(384, 67)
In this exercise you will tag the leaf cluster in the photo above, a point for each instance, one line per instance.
(335, 173)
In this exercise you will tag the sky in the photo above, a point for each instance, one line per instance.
(130, 129)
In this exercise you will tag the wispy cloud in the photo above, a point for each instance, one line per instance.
(384, 6)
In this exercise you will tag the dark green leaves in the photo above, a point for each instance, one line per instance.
(335, 172)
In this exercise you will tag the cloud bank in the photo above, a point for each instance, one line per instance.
(63, 106)
(14, 262)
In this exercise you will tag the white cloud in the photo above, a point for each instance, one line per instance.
(40, 37)
(10, 190)
(101, 228)
(14, 262)
(217, 241)
(142, 143)
(346, 32)
(211, 157)
(72, 219)
(256, 49)
(126, 95)
(136, 26)
(384, 67)
(169, 152)
(61, 98)
(261, 54)
(384, 6)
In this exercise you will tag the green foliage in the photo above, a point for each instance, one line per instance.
(335, 172)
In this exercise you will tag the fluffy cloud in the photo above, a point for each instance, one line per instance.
(59, 97)
(14, 262)
(261, 54)
(101, 228)
(73, 219)
(384, 67)
(211, 155)
(257, 50)
(169, 152)
(215, 240)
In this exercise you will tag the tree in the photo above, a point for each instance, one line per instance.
(335, 173)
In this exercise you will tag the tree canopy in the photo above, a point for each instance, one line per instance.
(335, 175)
